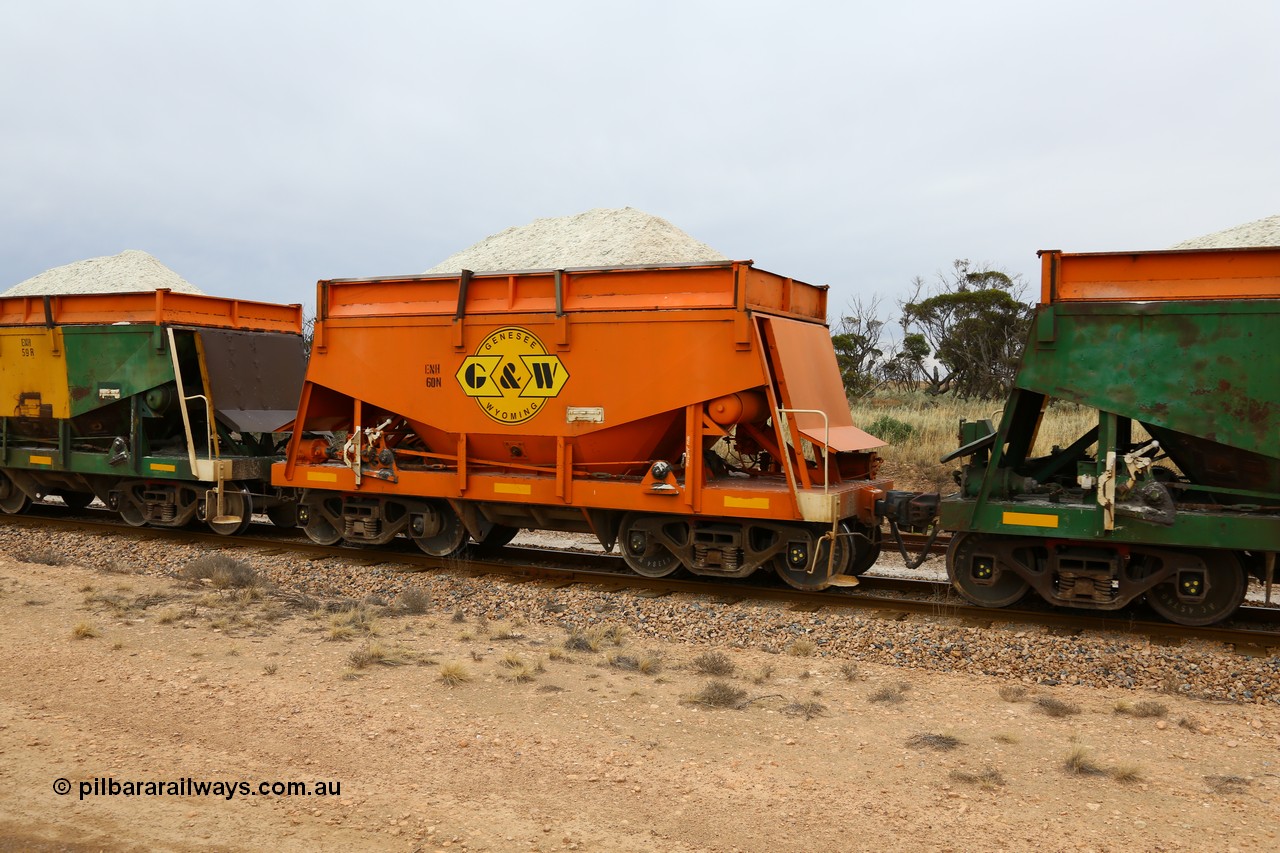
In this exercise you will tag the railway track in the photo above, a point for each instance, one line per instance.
(1254, 630)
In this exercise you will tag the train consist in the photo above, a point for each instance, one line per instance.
(690, 416)
(160, 404)
(1173, 495)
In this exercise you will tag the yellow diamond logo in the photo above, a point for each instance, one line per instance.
(511, 375)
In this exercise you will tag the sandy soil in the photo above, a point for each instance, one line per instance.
(825, 754)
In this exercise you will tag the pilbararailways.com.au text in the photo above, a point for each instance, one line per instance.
(188, 787)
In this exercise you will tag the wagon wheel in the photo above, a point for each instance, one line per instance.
(975, 570)
(865, 551)
(1202, 596)
(237, 510)
(76, 501)
(318, 528)
(792, 565)
(641, 550)
(12, 499)
(498, 536)
(449, 541)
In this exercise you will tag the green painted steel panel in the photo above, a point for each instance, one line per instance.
(119, 360)
(1209, 369)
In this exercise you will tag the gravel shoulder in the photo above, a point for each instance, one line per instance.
(847, 731)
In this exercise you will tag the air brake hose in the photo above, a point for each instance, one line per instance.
(914, 562)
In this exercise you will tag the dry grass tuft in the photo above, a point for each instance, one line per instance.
(763, 674)
(802, 648)
(169, 615)
(44, 557)
(1013, 693)
(989, 778)
(1079, 763)
(373, 653)
(349, 623)
(940, 742)
(84, 631)
(808, 710)
(454, 673)
(1190, 724)
(1004, 737)
(270, 669)
(645, 664)
(1128, 773)
(1141, 709)
(1055, 707)
(714, 663)
(849, 671)
(718, 694)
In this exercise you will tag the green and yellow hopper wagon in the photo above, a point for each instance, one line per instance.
(165, 406)
(1173, 495)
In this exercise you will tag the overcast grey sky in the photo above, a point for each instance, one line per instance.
(255, 147)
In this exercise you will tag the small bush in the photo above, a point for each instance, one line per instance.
(1056, 707)
(1227, 784)
(714, 663)
(413, 601)
(222, 572)
(763, 675)
(1142, 709)
(890, 694)
(270, 669)
(942, 743)
(371, 654)
(719, 694)
(44, 557)
(849, 670)
(1013, 693)
(808, 710)
(988, 778)
(889, 429)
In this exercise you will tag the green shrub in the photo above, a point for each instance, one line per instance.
(890, 429)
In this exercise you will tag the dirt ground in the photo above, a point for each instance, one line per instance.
(136, 679)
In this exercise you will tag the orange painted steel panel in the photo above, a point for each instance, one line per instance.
(161, 307)
(1162, 275)
(811, 380)
(582, 290)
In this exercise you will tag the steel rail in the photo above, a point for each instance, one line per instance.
(894, 598)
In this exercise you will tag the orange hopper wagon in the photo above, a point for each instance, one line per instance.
(692, 415)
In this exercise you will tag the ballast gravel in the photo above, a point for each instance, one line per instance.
(129, 271)
(1029, 654)
(601, 237)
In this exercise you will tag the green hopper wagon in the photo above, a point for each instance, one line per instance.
(1173, 495)
(162, 405)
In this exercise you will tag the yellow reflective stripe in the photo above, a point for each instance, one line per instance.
(512, 489)
(41, 460)
(1030, 519)
(746, 503)
(163, 466)
(322, 477)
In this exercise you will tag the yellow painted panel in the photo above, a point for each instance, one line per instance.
(1030, 519)
(163, 466)
(746, 503)
(41, 460)
(33, 371)
(322, 477)
(512, 489)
